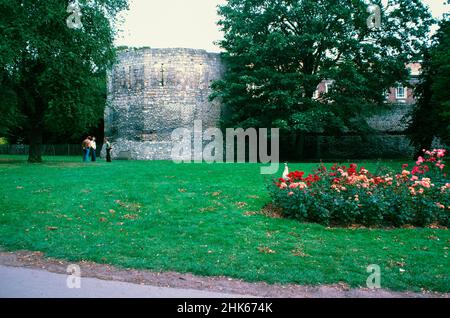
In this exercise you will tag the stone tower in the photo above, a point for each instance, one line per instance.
(151, 92)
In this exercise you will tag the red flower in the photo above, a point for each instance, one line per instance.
(296, 175)
(351, 171)
(405, 166)
(378, 180)
(299, 174)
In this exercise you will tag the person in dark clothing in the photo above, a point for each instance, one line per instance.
(108, 150)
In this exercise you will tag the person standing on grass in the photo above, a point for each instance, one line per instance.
(86, 144)
(108, 150)
(93, 149)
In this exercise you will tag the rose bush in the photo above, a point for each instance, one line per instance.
(418, 196)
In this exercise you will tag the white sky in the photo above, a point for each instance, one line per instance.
(187, 23)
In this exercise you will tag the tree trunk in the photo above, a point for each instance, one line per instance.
(34, 152)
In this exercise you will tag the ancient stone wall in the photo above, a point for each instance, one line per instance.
(151, 92)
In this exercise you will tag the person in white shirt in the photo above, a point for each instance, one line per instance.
(93, 149)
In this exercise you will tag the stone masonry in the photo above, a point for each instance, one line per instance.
(151, 92)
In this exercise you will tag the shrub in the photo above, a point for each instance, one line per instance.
(352, 195)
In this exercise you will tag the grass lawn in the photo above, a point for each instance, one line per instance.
(200, 218)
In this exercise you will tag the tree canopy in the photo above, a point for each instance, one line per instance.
(431, 116)
(277, 53)
(53, 77)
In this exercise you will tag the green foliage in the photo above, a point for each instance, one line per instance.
(277, 52)
(431, 116)
(53, 78)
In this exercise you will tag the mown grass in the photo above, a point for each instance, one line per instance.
(203, 219)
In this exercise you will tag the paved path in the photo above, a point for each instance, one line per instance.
(31, 283)
(30, 274)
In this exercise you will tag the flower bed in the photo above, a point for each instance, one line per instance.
(352, 195)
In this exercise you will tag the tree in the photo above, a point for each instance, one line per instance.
(421, 129)
(440, 90)
(277, 53)
(431, 116)
(53, 77)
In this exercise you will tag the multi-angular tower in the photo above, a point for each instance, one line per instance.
(151, 92)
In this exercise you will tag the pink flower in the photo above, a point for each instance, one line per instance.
(420, 160)
(291, 193)
(425, 184)
(283, 185)
(302, 185)
(440, 205)
(441, 153)
(443, 188)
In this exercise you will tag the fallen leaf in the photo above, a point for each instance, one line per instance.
(265, 250)
(208, 209)
(241, 204)
(130, 216)
(299, 252)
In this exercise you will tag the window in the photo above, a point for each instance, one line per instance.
(401, 92)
